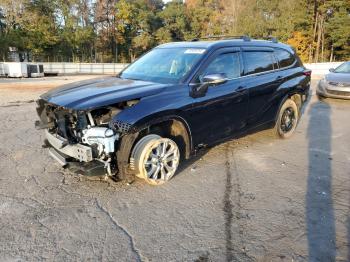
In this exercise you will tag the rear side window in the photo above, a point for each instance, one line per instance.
(224, 64)
(258, 61)
(284, 58)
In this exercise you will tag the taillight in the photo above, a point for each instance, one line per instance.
(307, 72)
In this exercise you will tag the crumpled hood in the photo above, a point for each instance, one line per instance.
(338, 77)
(100, 92)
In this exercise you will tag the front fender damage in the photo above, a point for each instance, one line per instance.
(92, 130)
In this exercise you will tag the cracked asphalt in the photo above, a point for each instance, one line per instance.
(257, 198)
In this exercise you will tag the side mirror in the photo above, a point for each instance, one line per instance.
(331, 70)
(208, 80)
(214, 79)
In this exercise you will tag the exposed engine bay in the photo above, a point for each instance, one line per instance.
(81, 136)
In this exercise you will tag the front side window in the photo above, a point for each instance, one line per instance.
(284, 58)
(258, 62)
(227, 64)
(343, 68)
(164, 65)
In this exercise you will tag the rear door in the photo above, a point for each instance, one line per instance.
(262, 79)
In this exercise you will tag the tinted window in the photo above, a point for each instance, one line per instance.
(285, 58)
(257, 62)
(225, 63)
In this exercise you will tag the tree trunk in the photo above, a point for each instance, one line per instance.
(322, 49)
(319, 38)
(310, 53)
(234, 16)
(315, 27)
(331, 57)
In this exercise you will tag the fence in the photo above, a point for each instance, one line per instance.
(113, 68)
(83, 68)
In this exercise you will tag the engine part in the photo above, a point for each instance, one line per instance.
(102, 138)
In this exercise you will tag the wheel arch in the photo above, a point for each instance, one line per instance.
(295, 96)
(131, 133)
(171, 126)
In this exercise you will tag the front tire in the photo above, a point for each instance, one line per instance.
(320, 97)
(287, 120)
(156, 159)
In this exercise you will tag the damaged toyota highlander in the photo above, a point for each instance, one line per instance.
(172, 101)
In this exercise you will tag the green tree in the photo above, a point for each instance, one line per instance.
(121, 30)
(11, 33)
(205, 18)
(338, 30)
(175, 21)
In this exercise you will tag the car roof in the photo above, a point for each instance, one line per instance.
(226, 43)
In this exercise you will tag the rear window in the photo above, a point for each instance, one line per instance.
(258, 61)
(284, 58)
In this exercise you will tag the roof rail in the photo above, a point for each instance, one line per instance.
(224, 37)
(272, 39)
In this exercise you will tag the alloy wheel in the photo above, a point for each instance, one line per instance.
(288, 120)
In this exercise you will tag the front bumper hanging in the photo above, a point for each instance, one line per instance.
(61, 152)
(78, 151)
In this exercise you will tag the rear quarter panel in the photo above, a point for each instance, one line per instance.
(293, 81)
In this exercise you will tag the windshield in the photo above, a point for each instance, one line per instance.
(163, 65)
(343, 68)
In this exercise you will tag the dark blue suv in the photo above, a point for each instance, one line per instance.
(174, 100)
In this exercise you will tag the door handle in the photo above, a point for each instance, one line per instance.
(279, 78)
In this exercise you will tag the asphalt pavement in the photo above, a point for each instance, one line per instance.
(257, 198)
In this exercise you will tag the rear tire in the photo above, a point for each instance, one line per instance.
(156, 159)
(287, 120)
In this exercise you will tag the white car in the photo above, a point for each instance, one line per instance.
(335, 84)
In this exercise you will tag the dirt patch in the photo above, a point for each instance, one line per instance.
(31, 88)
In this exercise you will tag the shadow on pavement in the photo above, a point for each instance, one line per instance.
(319, 204)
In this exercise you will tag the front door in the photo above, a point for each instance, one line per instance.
(222, 110)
